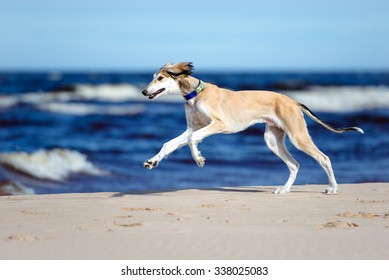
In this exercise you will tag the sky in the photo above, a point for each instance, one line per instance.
(127, 35)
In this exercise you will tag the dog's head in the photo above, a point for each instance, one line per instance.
(170, 79)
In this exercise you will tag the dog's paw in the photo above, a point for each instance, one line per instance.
(150, 164)
(332, 190)
(281, 190)
(200, 161)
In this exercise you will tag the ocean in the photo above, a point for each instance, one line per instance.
(66, 132)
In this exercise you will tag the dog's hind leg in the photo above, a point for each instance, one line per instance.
(274, 138)
(300, 138)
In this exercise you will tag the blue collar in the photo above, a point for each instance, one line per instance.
(197, 90)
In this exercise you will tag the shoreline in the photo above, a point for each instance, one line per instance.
(220, 223)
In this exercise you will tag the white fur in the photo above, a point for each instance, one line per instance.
(171, 87)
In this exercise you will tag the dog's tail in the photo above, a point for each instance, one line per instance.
(310, 114)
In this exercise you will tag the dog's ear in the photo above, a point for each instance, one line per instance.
(178, 69)
(166, 66)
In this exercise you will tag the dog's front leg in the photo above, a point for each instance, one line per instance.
(198, 136)
(167, 149)
(199, 159)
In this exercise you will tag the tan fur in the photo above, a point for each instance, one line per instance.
(217, 110)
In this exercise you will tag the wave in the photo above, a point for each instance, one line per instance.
(110, 93)
(343, 99)
(318, 98)
(14, 188)
(55, 164)
(82, 109)
(105, 93)
(84, 92)
(59, 101)
(8, 101)
(114, 93)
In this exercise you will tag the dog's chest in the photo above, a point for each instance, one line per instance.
(197, 115)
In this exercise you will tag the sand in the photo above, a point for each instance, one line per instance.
(222, 223)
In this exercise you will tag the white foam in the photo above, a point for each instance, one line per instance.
(116, 93)
(38, 98)
(104, 92)
(82, 109)
(343, 99)
(107, 92)
(8, 101)
(14, 188)
(55, 164)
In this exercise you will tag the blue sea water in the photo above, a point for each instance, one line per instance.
(91, 132)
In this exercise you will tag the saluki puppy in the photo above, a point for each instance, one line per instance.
(211, 110)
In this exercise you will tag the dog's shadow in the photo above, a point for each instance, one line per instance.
(253, 190)
(216, 189)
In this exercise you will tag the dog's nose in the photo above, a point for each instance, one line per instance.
(144, 92)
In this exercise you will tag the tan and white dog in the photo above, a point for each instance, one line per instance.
(211, 110)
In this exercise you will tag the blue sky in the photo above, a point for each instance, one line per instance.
(126, 35)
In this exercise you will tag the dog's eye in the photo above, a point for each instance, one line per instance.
(160, 78)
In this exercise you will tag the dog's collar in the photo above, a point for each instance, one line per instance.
(197, 90)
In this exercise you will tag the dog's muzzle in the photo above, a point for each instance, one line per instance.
(152, 95)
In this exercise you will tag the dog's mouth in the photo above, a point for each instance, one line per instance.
(154, 95)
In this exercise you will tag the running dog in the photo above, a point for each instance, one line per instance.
(211, 110)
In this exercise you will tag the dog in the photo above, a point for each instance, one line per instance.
(211, 110)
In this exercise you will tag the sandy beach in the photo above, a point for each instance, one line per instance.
(222, 223)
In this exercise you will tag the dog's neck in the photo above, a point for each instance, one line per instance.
(196, 86)
(193, 83)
